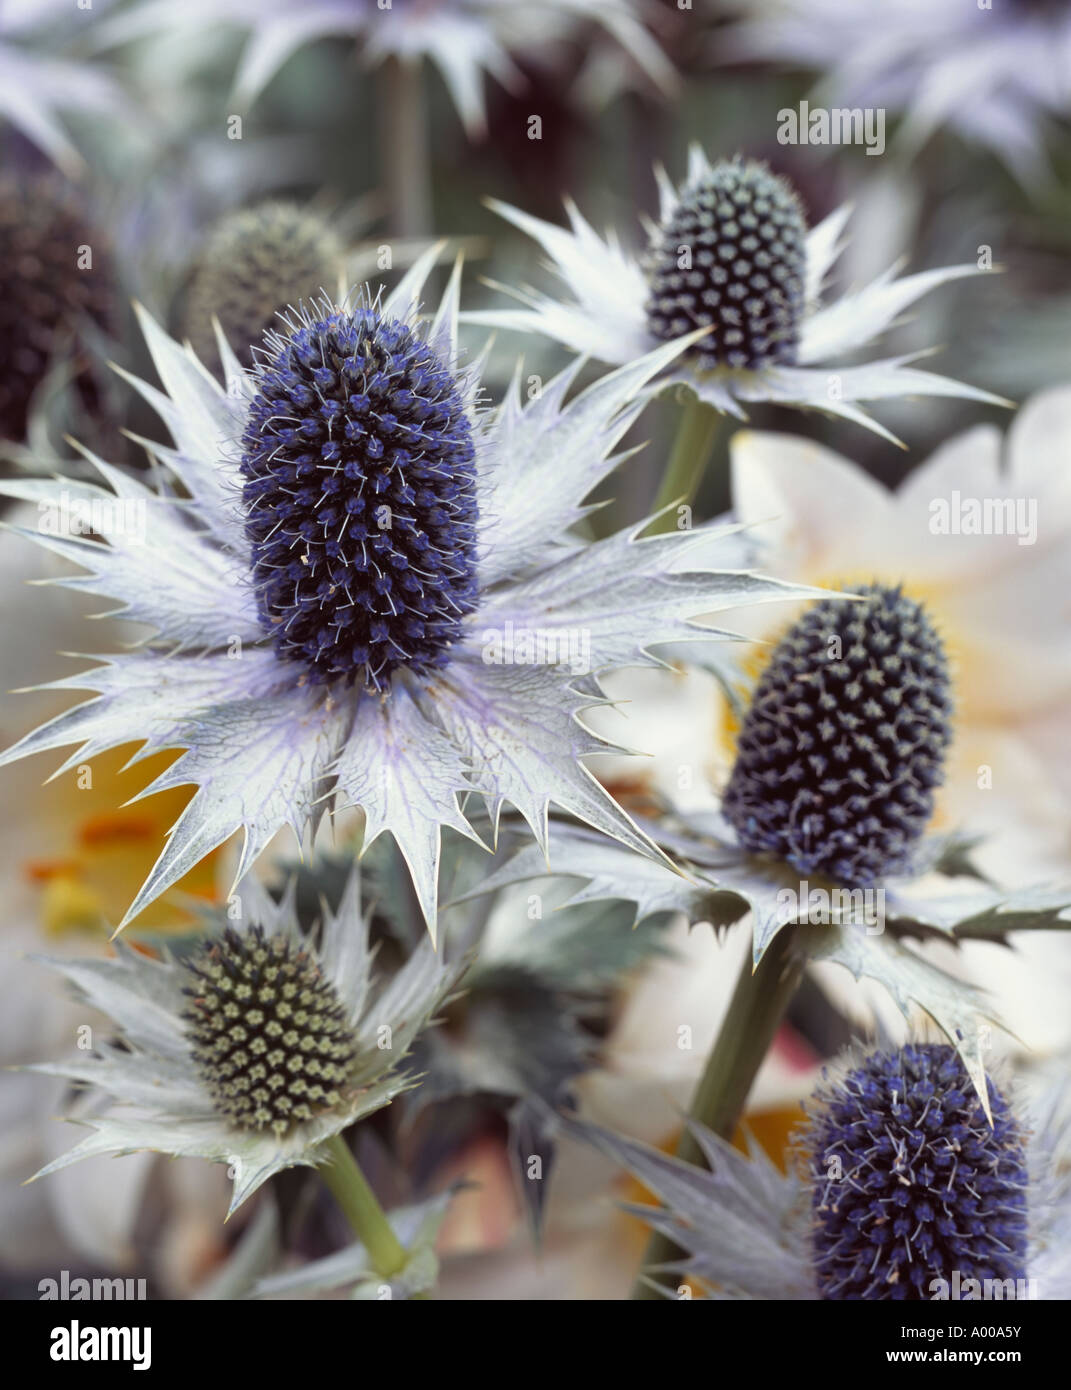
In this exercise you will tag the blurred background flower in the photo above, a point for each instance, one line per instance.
(998, 73)
(46, 87)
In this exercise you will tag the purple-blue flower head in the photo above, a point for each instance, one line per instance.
(339, 567)
(910, 1182)
(843, 746)
(360, 497)
(732, 257)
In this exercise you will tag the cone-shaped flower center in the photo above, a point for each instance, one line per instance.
(360, 499)
(910, 1181)
(732, 257)
(255, 264)
(843, 746)
(267, 1031)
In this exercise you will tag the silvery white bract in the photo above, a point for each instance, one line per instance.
(463, 38)
(867, 934)
(996, 73)
(608, 312)
(747, 1230)
(36, 87)
(161, 1093)
(522, 619)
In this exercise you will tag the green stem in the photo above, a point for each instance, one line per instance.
(350, 1189)
(696, 432)
(403, 140)
(755, 1012)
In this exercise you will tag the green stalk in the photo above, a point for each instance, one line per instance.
(696, 433)
(755, 1012)
(351, 1191)
(403, 142)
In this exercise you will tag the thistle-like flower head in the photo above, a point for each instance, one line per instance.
(360, 498)
(372, 593)
(905, 1191)
(56, 275)
(843, 745)
(910, 1180)
(257, 1048)
(267, 1030)
(732, 256)
(253, 266)
(821, 835)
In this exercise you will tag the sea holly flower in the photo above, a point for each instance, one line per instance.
(254, 1050)
(980, 532)
(965, 1175)
(463, 38)
(996, 74)
(977, 532)
(731, 254)
(524, 1029)
(822, 829)
(370, 593)
(844, 740)
(905, 1189)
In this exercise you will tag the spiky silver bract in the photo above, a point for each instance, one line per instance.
(173, 1079)
(607, 314)
(266, 746)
